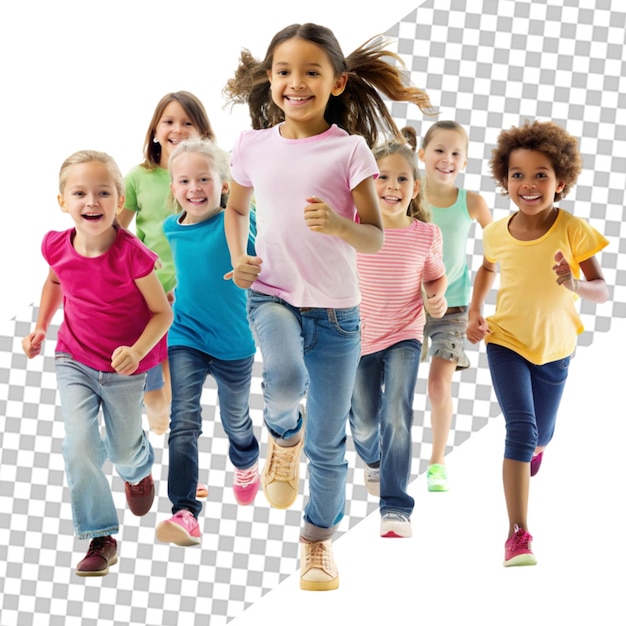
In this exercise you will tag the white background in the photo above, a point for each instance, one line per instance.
(80, 75)
(77, 75)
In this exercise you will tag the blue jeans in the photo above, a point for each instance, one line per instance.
(382, 418)
(83, 391)
(188, 370)
(529, 396)
(312, 352)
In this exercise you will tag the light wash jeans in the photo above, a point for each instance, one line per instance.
(189, 369)
(382, 418)
(529, 396)
(83, 391)
(312, 352)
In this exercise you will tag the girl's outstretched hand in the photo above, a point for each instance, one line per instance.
(477, 328)
(563, 272)
(245, 272)
(33, 343)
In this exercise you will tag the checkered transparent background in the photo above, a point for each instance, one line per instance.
(489, 65)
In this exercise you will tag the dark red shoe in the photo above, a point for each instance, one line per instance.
(535, 463)
(102, 553)
(140, 496)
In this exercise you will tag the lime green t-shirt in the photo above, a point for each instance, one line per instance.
(147, 193)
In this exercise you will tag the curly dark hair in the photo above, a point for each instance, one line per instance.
(551, 140)
(359, 109)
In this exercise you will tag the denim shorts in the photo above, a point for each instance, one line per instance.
(154, 378)
(446, 337)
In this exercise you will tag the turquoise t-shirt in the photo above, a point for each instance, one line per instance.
(455, 222)
(209, 312)
(147, 193)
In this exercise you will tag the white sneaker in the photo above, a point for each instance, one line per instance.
(372, 480)
(318, 571)
(395, 525)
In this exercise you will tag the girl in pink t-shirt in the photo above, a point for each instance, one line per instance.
(315, 113)
(115, 318)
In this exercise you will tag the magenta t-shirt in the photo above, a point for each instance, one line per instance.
(102, 307)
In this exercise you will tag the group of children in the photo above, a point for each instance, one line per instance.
(339, 263)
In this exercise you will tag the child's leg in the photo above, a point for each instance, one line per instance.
(511, 375)
(332, 346)
(157, 398)
(440, 396)
(401, 363)
(126, 443)
(93, 509)
(233, 391)
(364, 413)
(189, 370)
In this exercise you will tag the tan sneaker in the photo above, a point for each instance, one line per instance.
(318, 571)
(281, 475)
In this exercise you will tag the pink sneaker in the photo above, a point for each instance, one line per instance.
(535, 463)
(182, 529)
(517, 549)
(202, 492)
(246, 485)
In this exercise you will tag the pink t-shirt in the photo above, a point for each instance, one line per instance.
(392, 308)
(102, 307)
(305, 268)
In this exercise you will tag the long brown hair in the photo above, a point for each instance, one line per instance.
(359, 109)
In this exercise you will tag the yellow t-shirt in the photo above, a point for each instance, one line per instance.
(534, 316)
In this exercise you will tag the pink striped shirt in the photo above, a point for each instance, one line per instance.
(392, 309)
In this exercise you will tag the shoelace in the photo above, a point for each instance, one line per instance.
(99, 544)
(396, 517)
(521, 539)
(140, 489)
(318, 556)
(185, 514)
(243, 478)
(283, 462)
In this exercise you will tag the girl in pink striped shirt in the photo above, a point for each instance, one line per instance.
(392, 283)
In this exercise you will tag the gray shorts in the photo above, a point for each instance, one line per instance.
(446, 337)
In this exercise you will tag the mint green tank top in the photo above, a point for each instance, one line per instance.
(454, 222)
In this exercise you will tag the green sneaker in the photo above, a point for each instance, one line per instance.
(437, 477)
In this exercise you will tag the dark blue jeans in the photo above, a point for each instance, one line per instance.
(188, 370)
(529, 396)
(381, 419)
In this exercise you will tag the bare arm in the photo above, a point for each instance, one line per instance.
(246, 268)
(125, 217)
(51, 297)
(365, 235)
(435, 296)
(477, 328)
(125, 359)
(478, 209)
(594, 286)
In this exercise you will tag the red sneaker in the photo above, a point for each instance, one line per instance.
(102, 553)
(140, 496)
(246, 485)
(517, 549)
(182, 529)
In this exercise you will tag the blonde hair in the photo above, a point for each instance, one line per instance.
(212, 152)
(417, 208)
(87, 156)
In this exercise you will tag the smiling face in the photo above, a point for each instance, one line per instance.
(532, 182)
(173, 127)
(302, 80)
(445, 156)
(197, 186)
(91, 198)
(396, 187)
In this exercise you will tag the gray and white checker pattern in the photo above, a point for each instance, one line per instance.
(489, 65)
